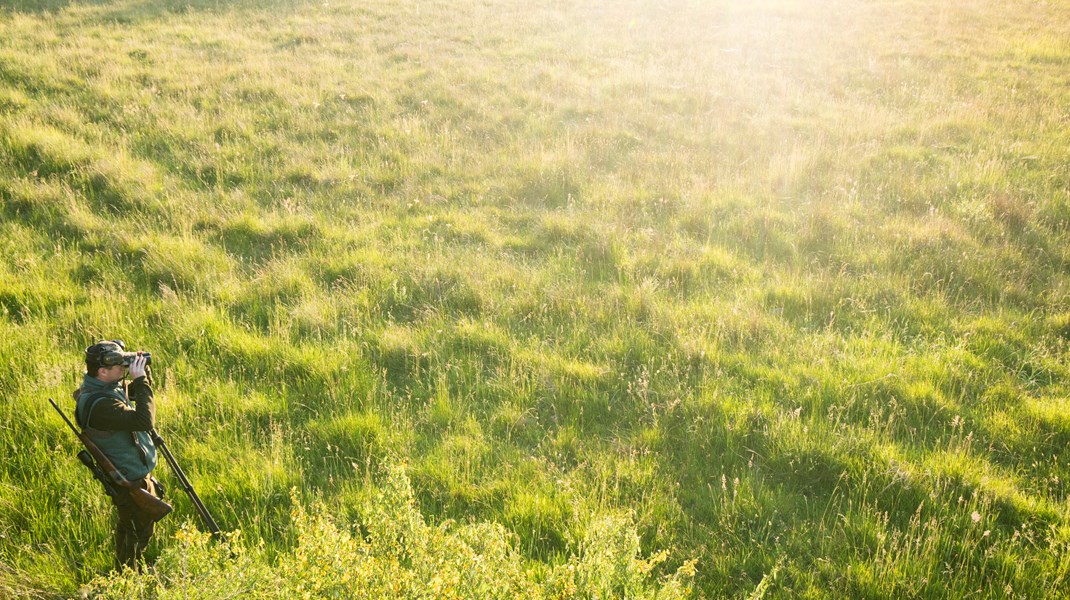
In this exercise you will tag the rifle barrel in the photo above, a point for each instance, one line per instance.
(65, 419)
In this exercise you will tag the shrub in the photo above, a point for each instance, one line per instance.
(395, 553)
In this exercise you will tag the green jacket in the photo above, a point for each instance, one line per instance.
(118, 426)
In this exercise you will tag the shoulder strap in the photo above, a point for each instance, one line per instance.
(87, 410)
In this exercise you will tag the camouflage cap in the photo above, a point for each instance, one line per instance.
(108, 353)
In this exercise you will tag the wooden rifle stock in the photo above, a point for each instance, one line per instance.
(149, 504)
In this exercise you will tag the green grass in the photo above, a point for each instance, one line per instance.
(778, 287)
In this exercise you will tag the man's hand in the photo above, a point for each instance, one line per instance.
(137, 366)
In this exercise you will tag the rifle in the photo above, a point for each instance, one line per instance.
(97, 472)
(206, 517)
(103, 469)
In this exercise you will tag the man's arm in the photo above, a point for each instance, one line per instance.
(112, 415)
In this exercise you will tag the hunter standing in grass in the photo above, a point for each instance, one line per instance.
(119, 424)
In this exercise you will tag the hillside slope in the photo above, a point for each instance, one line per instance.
(782, 287)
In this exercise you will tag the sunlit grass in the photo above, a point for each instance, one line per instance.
(779, 287)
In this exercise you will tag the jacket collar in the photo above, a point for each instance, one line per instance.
(90, 383)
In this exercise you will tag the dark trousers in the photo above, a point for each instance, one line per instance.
(133, 529)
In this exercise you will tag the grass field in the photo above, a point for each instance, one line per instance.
(494, 298)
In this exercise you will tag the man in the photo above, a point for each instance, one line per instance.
(119, 426)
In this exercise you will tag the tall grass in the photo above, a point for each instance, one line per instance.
(773, 290)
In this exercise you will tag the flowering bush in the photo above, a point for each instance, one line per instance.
(399, 556)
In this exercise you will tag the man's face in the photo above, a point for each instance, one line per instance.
(111, 374)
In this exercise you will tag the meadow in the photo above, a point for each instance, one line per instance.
(563, 299)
